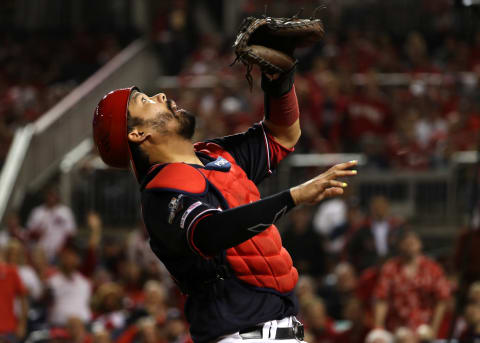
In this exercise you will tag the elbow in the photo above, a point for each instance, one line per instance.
(292, 139)
(297, 136)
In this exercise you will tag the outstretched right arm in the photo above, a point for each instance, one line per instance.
(206, 230)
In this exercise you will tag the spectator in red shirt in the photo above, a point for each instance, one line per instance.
(327, 107)
(412, 289)
(368, 114)
(12, 328)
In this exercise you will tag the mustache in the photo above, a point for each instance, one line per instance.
(170, 105)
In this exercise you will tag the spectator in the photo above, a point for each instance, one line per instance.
(405, 148)
(108, 304)
(138, 251)
(77, 331)
(132, 278)
(317, 322)
(52, 223)
(358, 330)
(331, 220)
(70, 291)
(405, 335)
(304, 244)
(471, 332)
(373, 243)
(12, 327)
(474, 293)
(466, 259)
(338, 293)
(412, 289)
(15, 255)
(305, 289)
(13, 229)
(43, 268)
(175, 329)
(369, 114)
(328, 106)
(379, 336)
(113, 254)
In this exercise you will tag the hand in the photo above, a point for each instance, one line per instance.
(324, 185)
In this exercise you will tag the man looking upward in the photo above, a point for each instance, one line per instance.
(203, 211)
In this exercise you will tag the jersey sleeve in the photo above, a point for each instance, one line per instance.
(255, 150)
(170, 218)
(185, 224)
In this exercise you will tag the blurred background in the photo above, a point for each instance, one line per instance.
(394, 84)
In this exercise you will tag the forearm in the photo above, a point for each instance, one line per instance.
(209, 230)
(380, 313)
(437, 318)
(221, 230)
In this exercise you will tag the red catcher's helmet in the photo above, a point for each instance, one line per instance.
(110, 128)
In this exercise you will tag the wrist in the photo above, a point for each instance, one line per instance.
(295, 194)
(279, 86)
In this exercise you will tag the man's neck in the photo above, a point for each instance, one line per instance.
(176, 150)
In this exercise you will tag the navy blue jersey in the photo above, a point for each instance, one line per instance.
(218, 303)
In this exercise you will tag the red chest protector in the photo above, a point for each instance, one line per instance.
(260, 261)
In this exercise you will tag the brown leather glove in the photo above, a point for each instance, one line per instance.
(270, 42)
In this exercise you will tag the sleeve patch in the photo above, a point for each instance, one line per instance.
(187, 212)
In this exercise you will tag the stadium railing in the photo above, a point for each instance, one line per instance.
(40, 147)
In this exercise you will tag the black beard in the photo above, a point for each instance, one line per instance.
(187, 124)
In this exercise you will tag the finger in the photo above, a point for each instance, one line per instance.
(335, 183)
(329, 192)
(344, 173)
(345, 165)
(333, 191)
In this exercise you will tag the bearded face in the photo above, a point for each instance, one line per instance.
(179, 121)
(187, 122)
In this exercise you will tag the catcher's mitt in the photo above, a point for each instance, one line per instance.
(270, 42)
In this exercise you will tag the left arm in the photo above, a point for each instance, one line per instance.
(437, 318)
(22, 319)
(281, 108)
(442, 294)
(21, 295)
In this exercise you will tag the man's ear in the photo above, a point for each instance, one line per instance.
(137, 136)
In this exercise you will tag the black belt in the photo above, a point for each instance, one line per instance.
(256, 332)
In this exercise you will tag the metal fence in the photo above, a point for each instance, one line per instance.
(437, 201)
(39, 148)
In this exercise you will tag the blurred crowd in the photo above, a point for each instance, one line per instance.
(38, 70)
(59, 285)
(351, 100)
(408, 101)
(365, 277)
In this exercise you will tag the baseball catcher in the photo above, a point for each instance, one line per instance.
(200, 202)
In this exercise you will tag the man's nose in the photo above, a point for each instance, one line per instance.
(160, 97)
